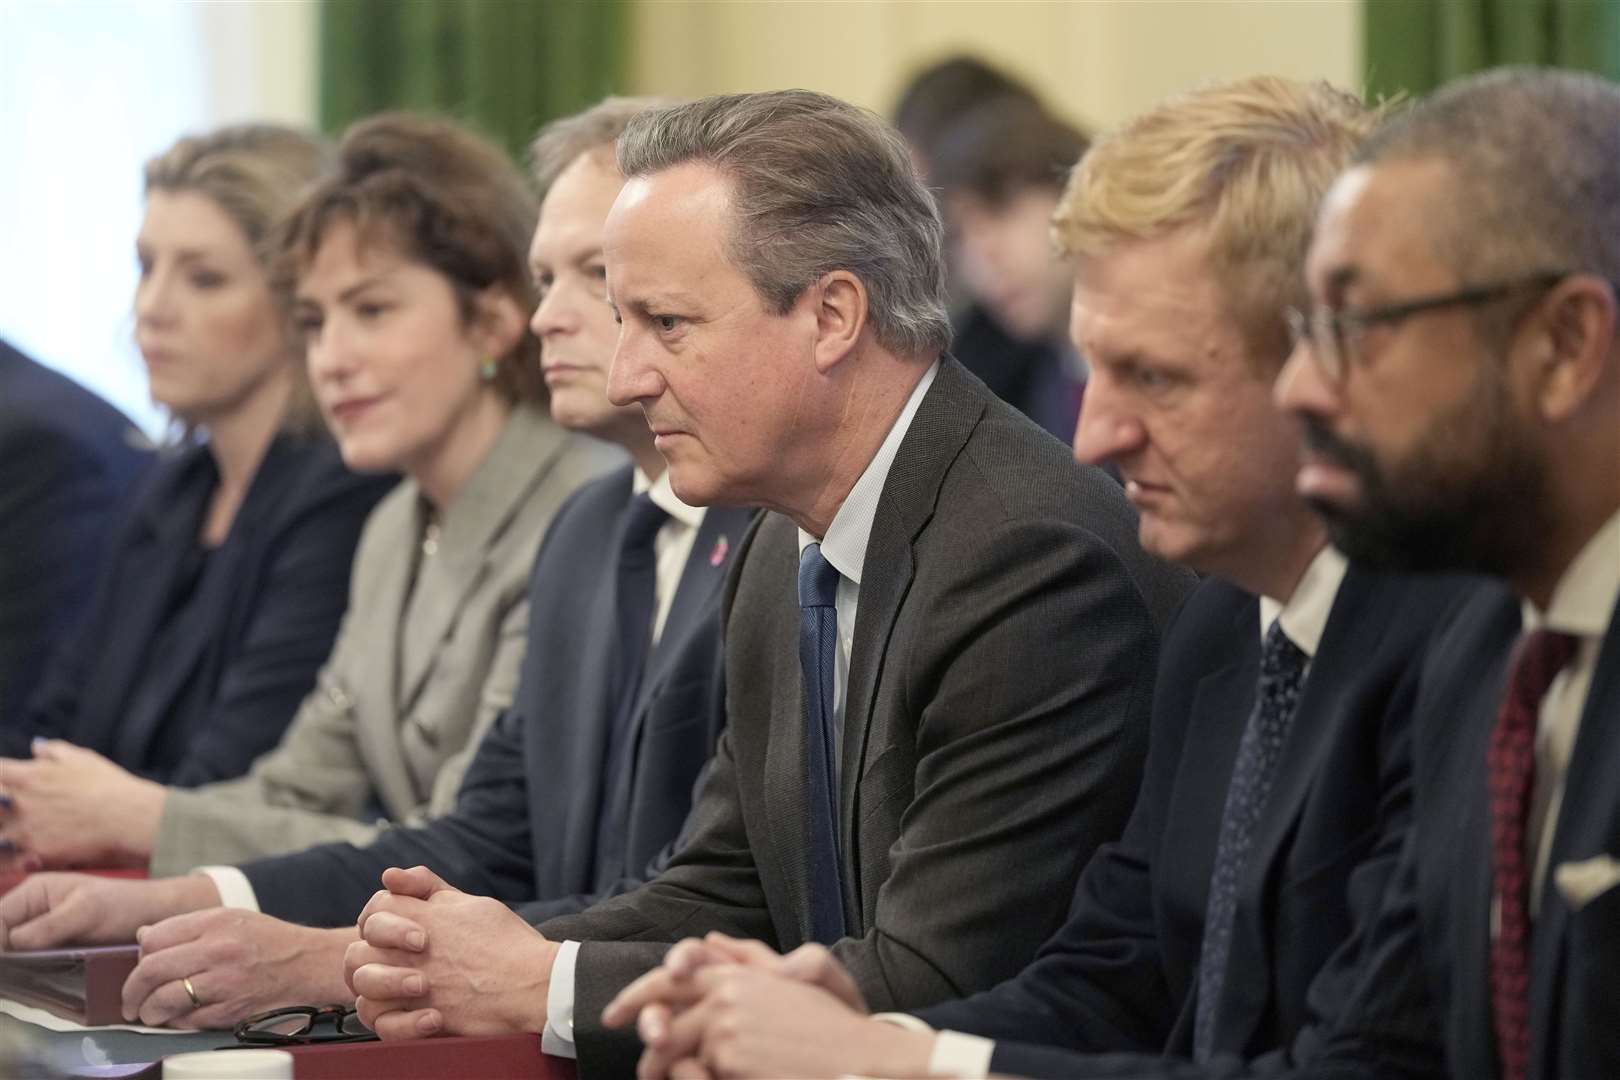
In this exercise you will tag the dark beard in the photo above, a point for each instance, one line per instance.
(1436, 516)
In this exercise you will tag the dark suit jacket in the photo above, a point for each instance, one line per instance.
(1122, 975)
(1424, 1004)
(270, 597)
(525, 822)
(67, 461)
(995, 722)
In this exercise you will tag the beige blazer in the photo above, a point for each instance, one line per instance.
(379, 733)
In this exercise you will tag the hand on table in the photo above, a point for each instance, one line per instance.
(72, 807)
(45, 911)
(435, 960)
(239, 963)
(695, 1014)
(749, 1021)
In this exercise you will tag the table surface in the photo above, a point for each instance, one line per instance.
(109, 1046)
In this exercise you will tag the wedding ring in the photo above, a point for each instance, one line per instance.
(191, 992)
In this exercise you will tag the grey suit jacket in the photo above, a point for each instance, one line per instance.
(995, 724)
(372, 737)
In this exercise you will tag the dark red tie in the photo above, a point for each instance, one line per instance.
(1512, 764)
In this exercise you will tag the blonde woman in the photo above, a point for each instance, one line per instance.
(410, 271)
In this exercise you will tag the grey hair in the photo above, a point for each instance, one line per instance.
(1534, 160)
(818, 185)
(593, 130)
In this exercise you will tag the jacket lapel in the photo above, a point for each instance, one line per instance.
(945, 418)
(1589, 809)
(1356, 609)
(472, 524)
(379, 621)
(168, 529)
(701, 578)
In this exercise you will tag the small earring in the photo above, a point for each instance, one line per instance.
(487, 370)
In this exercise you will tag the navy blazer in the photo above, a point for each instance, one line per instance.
(67, 462)
(525, 823)
(1424, 1006)
(271, 597)
(1122, 974)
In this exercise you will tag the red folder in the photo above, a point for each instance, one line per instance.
(488, 1057)
(82, 985)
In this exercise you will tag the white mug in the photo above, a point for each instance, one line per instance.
(229, 1065)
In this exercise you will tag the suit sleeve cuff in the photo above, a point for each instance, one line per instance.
(235, 891)
(558, 1037)
(966, 1057)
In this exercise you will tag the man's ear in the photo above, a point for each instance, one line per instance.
(840, 310)
(498, 321)
(1575, 346)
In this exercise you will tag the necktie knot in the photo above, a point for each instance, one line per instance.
(642, 520)
(1282, 666)
(818, 579)
(1542, 655)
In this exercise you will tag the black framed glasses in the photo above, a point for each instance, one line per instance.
(302, 1025)
(1334, 337)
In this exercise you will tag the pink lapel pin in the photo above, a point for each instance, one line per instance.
(718, 554)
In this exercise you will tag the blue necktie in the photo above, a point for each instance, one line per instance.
(818, 652)
(1282, 673)
(635, 601)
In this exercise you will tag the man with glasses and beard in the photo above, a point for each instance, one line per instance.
(1459, 379)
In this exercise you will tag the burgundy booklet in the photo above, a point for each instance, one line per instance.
(83, 985)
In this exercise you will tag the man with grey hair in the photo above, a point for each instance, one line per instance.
(928, 735)
(1459, 381)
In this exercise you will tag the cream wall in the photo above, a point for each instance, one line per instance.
(261, 60)
(1099, 61)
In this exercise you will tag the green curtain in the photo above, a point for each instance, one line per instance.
(502, 66)
(1415, 45)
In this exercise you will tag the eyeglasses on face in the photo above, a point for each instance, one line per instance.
(1334, 337)
(298, 1025)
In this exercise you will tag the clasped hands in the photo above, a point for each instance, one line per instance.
(433, 959)
(723, 1007)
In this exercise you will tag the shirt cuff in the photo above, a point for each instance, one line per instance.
(235, 891)
(959, 1055)
(966, 1057)
(558, 1037)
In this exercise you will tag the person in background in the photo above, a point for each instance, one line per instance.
(1458, 375)
(412, 292)
(999, 172)
(221, 591)
(934, 103)
(68, 461)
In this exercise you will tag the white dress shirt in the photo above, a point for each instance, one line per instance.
(1304, 618)
(671, 547)
(844, 547)
(1581, 605)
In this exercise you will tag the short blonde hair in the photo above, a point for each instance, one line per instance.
(1249, 161)
(256, 174)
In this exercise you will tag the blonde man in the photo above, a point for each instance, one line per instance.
(1220, 928)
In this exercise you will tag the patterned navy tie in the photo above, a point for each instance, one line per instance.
(818, 652)
(1282, 673)
(1511, 766)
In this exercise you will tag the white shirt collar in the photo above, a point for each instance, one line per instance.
(1304, 617)
(664, 497)
(845, 543)
(1584, 597)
